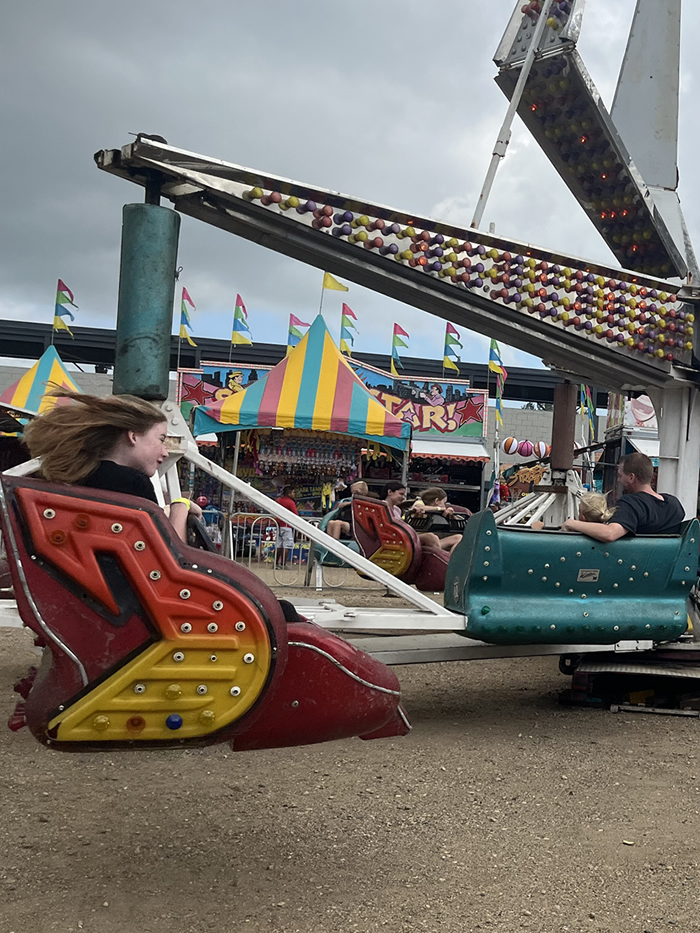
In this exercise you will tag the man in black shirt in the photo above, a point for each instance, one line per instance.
(640, 511)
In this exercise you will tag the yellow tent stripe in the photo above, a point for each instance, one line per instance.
(289, 398)
(231, 409)
(325, 396)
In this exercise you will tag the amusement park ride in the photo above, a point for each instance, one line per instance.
(186, 647)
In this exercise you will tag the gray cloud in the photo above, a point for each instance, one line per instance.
(391, 101)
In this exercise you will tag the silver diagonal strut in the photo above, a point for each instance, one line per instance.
(617, 329)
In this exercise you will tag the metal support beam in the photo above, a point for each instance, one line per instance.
(678, 414)
(146, 293)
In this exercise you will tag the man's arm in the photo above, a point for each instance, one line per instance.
(600, 532)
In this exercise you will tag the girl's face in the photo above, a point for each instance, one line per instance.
(148, 450)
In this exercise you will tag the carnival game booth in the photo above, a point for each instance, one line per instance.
(304, 423)
(449, 422)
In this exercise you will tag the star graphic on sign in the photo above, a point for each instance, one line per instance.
(472, 410)
(196, 390)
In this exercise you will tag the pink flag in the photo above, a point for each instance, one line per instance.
(348, 311)
(452, 330)
(295, 322)
(186, 297)
(399, 330)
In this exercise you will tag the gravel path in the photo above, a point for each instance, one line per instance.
(501, 811)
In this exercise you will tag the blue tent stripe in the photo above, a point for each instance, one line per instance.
(309, 387)
(43, 374)
(359, 408)
(252, 400)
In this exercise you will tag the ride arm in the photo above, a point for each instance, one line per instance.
(600, 532)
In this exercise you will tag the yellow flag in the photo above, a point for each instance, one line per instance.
(334, 284)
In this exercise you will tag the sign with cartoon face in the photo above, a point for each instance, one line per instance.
(431, 406)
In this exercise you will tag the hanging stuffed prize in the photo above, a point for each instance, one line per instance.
(510, 445)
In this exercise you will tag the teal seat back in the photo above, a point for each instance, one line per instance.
(322, 554)
(518, 586)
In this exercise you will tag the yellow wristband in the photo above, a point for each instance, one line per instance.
(184, 502)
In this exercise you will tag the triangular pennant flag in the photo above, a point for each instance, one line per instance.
(240, 334)
(64, 297)
(185, 321)
(333, 284)
(448, 364)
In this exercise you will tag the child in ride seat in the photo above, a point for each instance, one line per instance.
(592, 507)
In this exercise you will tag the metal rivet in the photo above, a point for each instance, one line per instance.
(139, 545)
(578, 553)
(687, 569)
(195, 566)
(116, 528)
(631, 579)
(210, 570)
(544, 579)
(235, 691)
(585, 615)
(240, 626)
(571, 591)
(139, 688)
(217, 605)
(212, 657)
(633, 567)
(583, 595)
(49, 513)
(552, 626)
(646, 573)
(606, 554)
(692, 540)
(562, 559)
(488, 532)
(295, 703)
(529, 571)
(186, 627)
(616, 628)
(154, 574)
(546, 566)
(682, 582)
(248, 658)
(178, 656)
(185, 594)
(202, 689)
(620, 561)
(487, 548)
(599, 591)
(557, 584)
(647, 626)
(677, 613)
(212, 627)
(484, 578)
(614, 586)
(486, 563)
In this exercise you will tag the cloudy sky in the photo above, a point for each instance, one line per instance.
(393, 101)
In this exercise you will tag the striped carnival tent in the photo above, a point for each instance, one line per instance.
(313, 388)
(30, 395)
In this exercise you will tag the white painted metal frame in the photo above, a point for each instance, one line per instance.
(426, 614)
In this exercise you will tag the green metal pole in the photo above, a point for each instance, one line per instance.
(146, 293)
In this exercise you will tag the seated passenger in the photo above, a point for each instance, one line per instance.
(394, 495)
(640, 510)
(115, 443)
(434, 500)
(340, 527)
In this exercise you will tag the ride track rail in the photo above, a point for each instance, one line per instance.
(620, 329)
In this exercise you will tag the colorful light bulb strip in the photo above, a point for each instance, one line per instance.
(571, 125)
(632, 315)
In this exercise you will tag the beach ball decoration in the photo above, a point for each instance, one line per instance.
(525, 448)
(540, 450)
(510, 445)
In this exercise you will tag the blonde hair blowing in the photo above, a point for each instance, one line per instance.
(72, 439)
(359, 488)
(593, 507)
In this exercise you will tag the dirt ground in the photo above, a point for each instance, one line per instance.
(501, 811)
